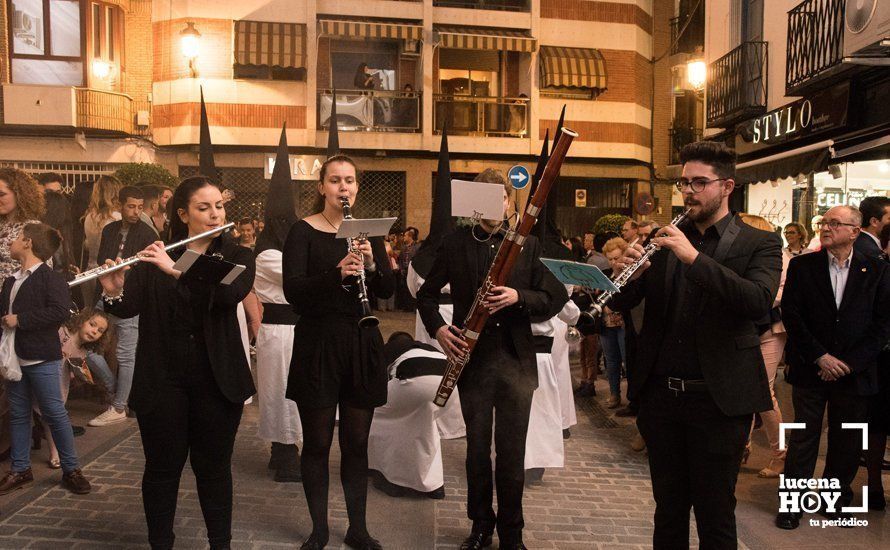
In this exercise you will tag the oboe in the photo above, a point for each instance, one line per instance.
(368, 319)
(596, 309)
(97, 272)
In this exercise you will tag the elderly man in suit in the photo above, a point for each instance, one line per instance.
(699, 373)
(836, 309)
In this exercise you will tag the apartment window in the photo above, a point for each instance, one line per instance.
(46, 42)
(65, 43)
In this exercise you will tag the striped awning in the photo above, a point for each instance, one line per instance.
(572, 67)
(367, 28)
(478, 38)
(272, 44)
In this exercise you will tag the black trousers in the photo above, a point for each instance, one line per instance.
(844, 446)
(490, 395)
(191, 419)
(695, 452)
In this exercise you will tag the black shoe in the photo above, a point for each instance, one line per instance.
(78, 430)
(534, 475)
(75, 482)
(476, 541)
(566, 434)
(876, 501)
(276, 455)
(288, 470)
(361, 541)
(625, 412)
(315, 542)
(787, 521)
(437, 494)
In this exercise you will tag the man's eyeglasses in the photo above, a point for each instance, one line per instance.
(834, 224)
(696, 184)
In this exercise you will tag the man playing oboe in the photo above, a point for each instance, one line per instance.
(501, 375)
(700, 374)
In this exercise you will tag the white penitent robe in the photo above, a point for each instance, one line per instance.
(404, 444)
(451, 424)
(544, 443)
(279, 419)
(560, 353)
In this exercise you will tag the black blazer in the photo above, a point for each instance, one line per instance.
(42, 305)
(867, 246)
(139, 237)
(147, 292)
(855, 333)
(738, 286)
(541, 295)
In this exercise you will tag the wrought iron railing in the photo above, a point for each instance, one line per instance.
(815, 42)
(482, 116)
(502, 5)
(737, 85)
(680, 137)
(371, 110)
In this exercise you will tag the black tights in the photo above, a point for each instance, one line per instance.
(318, 433)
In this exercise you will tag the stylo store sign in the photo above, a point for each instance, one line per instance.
(811, 495)
(823, 111)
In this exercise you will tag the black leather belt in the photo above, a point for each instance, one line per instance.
(421, 366)
(445, 299)
(279, 314)
(543, 344)
(679, 385)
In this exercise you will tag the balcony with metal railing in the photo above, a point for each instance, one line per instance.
(815, 44)
(499, 5)
(481, 116)
(681, 136)
(371, 110)
(737, 85)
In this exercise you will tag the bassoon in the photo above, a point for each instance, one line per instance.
(502, 266)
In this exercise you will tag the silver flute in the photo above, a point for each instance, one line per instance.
(97, 272)
(596, 309)
(368, 319)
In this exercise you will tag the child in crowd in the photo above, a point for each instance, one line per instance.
(34, 303)
(88, 345)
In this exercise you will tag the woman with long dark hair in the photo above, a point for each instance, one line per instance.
(191, 376)
(335, 362)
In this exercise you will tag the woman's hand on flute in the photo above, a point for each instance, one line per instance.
(156, 255)
(113, 283)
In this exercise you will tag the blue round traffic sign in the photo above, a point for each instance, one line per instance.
(518, 176)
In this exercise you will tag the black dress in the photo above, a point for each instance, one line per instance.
(333, 360)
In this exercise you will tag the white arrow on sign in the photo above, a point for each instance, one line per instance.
(518, 177)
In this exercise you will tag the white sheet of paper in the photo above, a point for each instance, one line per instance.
(362, 229)
(578, 274)
(470, 199)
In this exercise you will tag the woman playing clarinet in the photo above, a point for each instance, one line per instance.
(191, 376)
(335, 362)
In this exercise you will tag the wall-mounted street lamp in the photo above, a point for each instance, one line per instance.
(190, 41)
(101, 69)
(697, 74)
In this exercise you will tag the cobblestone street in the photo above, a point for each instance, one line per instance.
(601, 499)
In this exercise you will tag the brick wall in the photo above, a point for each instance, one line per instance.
(663, 10)
(629, 77)
(604, 12)
(137, 78)
(606, 132)
(230, 115)
(215, 59)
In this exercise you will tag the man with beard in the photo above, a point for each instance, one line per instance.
(700, 374)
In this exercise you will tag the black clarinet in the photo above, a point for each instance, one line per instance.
(368, 319)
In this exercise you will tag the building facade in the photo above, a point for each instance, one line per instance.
(89, 85)
(801, 89)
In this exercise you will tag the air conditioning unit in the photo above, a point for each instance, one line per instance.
(410, 47)
(866, 29)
